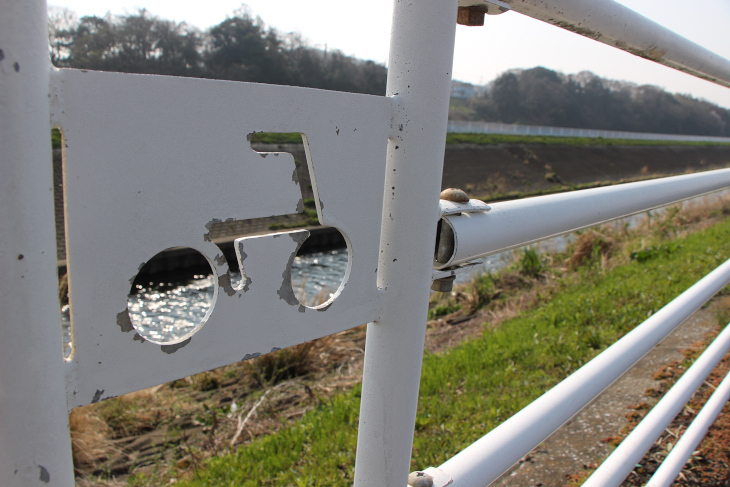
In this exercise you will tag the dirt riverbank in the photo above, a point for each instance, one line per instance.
(486, 171)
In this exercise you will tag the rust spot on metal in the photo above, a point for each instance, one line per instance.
(21, 256)
(168, 349)
(576, 28)
(652, 54)
(224, 281)
(472, 16)
(123, 321)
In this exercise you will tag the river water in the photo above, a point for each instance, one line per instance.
(163, 311)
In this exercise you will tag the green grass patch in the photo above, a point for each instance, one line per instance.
(309, 211)
(56, 138)
(276, 138)
(470, 389)
(493, 139)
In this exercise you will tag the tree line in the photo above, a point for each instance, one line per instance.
(540, 96)
(241, 48)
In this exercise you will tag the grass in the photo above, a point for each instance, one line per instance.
(494, 139)
(468, 390)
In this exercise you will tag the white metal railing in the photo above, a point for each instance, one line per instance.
(125, 135)
(460, 126)
(488, 458)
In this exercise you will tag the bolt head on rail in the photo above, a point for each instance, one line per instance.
(420, 479)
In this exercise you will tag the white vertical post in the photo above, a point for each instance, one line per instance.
(419, 79)
(35, 448)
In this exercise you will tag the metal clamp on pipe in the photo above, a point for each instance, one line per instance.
(453, 203)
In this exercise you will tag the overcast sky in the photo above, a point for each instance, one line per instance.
(506, 41)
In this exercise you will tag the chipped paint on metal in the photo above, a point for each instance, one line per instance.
(45, 477)
(124, 322)
(209, 225)
(295, 175)
(577, 28)
(220, 259)
(224, 282)
(275, 349)
(300, 206)
(139, 338)
(168, 349)
(244, 278)
(97, 396)
(249, 356)
(286, 292)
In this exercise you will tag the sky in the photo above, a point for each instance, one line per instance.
(506, 41)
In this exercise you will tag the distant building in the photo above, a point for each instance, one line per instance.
(462, 90)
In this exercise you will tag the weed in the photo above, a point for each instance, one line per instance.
(494, 139)
(440, 311)
(530, 263)
(286, 364)
(649, 253)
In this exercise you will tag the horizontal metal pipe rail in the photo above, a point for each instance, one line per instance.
(676, 459)
(492, 455)
(623, 459)
(613, 24)
(511, 224)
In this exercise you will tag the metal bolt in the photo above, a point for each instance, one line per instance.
(420, 479)
(455, 195)
(472, 16)
(444, 285)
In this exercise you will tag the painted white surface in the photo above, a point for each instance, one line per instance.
(151, 160)
(35, 448)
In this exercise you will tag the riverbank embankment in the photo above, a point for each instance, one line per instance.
(485, 171)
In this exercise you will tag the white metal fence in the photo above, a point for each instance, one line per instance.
(459, 126)
(134, 142)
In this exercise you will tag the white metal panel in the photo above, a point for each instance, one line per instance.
(151, 160)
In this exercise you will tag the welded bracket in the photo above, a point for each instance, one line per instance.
(443, 279)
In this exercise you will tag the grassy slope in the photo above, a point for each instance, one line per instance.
(493, 139)
(470, 389)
